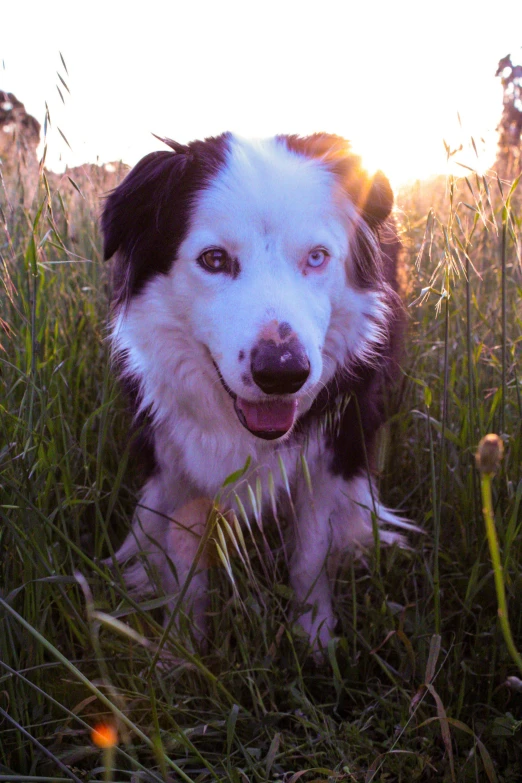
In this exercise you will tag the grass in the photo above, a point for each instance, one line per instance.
(417, 686)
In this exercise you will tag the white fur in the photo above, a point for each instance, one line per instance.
(269, 207)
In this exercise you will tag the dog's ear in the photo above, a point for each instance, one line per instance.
(143, 220)
(372, 195)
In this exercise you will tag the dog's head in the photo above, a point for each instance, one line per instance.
(261, 259)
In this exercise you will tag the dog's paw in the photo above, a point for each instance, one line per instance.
(318, 625)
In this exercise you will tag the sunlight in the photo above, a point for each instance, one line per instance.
(401, 159)
(404, 159)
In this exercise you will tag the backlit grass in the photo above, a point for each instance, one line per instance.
(418, 685)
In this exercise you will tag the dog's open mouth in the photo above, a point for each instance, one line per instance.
(269, 419)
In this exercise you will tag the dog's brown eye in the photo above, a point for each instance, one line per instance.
(216, 260)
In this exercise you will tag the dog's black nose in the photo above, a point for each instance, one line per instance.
(279, 368)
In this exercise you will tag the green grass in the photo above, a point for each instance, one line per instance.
(416, 685)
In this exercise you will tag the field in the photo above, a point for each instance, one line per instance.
(419, 684)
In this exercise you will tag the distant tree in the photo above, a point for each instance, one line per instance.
(509, 158)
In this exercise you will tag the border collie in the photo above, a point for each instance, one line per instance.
(256, 319)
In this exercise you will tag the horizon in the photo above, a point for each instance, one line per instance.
(396, 93)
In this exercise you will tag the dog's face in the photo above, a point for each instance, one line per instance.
(262, 263)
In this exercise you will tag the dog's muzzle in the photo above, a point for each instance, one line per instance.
(277, 369)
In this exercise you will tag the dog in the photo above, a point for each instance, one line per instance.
(257, 319)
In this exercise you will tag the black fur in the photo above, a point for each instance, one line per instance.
(146, 217)
(142, 432)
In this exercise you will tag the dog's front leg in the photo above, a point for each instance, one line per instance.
(308, 564)
(186, 568)
(158, 555)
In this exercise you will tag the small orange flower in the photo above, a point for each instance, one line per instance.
(104, 735)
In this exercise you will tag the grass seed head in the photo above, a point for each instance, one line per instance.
(489, 454)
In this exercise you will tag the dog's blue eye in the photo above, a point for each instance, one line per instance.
(317, 257)
(216, 260)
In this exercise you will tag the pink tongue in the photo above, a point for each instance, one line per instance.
(273, 416)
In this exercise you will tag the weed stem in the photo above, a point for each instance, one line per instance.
(489, 519)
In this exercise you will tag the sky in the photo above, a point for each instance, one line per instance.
(397, 78)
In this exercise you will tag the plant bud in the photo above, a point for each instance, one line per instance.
(489, 454)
